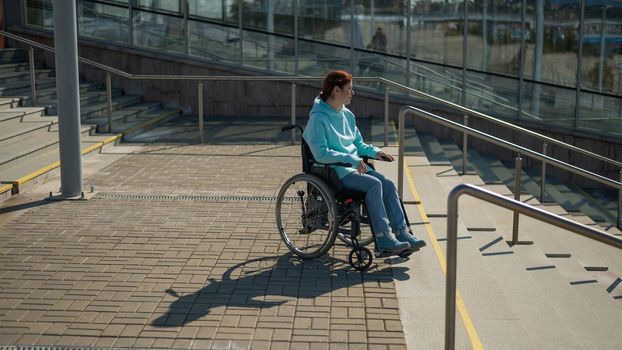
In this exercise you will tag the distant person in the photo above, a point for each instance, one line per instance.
(379, 41)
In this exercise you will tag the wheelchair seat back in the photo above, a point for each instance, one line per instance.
(324, 172)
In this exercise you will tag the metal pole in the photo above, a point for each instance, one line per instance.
(296, 54)
(465, 144)
(408, 42)
(465, 48)
(386, 116)
(109, 101)
(400, 156)
(293, 112)
(68, 92)
(517, 182)
(200, 95)
(185, 9)
(543, 175)
(450, 280)
(603, 48)
(521, 68)
(577, 110)
(241, 31)
(33, 81)
(131, 23)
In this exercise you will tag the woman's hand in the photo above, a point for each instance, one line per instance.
(384, 156)
(361, 168)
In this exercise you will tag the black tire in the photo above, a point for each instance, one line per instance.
(360, 260)
(306, 216)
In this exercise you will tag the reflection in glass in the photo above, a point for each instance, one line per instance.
(380, 26)
(600, 114)
(157, 31)
(268, 52)
(206, 8)
(274, 16)
(103, 21)
(556, 105)
(317, 59)
(493, 95)
(437, 31)
(602, 48)
(161, 5)
(39, 13)
(326, 20)
(214, 42)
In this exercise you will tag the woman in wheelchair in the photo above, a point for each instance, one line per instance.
(333, 138)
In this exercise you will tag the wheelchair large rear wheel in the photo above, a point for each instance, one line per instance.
(305, 216)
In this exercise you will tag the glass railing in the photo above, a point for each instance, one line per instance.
(218, 40)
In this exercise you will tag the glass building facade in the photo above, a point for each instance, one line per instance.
(550, 62)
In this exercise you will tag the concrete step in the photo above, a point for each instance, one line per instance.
(21, 112)
(96, 110)
(87, 98)
(22, 87)
(10, 55)
(21, 149)
(8, 77)
(20, 67)
(433, 149)
(454, 155)
(49, 93)
(16, 127)
(7, 103)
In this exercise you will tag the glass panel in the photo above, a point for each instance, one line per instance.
(39, 13)
(326, 20)
(436, 80)
(381, 26)
(318, 59)
(274, 16)
(269, 52)
(206, 8)
(160, 32)
(102, 21)
(601, 114)
(214, 42)
(436, 31)
(602, 48)
(548, 104)
(492, 95)
(159, 5)
(495, 36)
(551, 51)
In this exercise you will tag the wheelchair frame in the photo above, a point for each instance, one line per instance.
(324, 192)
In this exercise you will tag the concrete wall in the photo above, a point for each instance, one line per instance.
(234, 98)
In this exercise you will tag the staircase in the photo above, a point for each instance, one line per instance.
(555, 290)
(29, 133)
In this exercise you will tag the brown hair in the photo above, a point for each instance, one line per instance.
(335, 78)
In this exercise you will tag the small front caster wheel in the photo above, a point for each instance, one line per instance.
(360, 258)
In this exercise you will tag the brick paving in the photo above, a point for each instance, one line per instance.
(192, 274)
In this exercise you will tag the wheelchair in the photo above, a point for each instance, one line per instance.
(313, 210)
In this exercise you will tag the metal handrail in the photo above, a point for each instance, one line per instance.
(388, 83)
(499, 142)
(508, 203)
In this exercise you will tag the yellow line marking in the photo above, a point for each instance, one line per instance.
(5, 188)
(462, 310)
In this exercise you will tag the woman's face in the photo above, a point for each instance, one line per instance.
(344, 95)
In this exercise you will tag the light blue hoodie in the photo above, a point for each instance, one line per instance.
(334, 138)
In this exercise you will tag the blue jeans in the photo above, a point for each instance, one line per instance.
(383, 203)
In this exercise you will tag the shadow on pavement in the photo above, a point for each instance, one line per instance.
(271, 281)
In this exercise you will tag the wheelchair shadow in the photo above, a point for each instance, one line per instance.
(268, 282)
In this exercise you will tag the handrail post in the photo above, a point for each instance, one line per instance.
(465, 140)
(517, 182)
(200, 95)
(543, 175)
(400, 154)
(386, 116)
(450, 279)
(33, 82)
(293, 113)
(109, 101)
